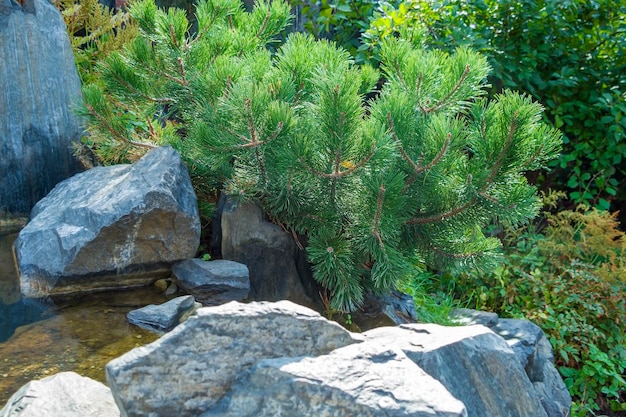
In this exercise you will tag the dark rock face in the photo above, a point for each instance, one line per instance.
(533, 352)
(39, 84)
(110, 227)
(472, 362)
(278, 267)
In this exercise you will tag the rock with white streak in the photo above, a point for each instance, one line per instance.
(110, 227)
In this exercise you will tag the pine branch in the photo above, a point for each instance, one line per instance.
(122, 81)
(379, 209)
(505, 149)
(338, 173)
(419, 167)
(104, 122)
(445, 101)
(442, 216)
(264, 25)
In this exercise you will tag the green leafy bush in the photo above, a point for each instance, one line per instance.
(570, 279)
(414, 172)
(342, 21)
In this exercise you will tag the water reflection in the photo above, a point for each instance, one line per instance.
(43, 337)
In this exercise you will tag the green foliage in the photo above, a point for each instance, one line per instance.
(570, 280)
(342, 21)
(94, 31)
(569, 55)
(414, 172)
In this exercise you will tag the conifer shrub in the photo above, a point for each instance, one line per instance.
(570, 279)
(380, 185)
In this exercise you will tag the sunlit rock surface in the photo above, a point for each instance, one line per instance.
(66, 394)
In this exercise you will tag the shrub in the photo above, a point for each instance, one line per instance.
(569, 55)
(413, 172)
(94, 31)
(570, 279)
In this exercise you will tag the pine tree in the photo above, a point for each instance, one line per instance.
(381, 179)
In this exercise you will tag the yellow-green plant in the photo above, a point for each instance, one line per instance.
(94, 31)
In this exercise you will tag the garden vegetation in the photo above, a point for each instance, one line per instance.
(398, 151)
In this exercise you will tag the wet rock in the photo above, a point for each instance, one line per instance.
(188, 370)
(365, 380)
(110, 227)
(473, 363)
(214, 282)
(40, 84)
(163, 317)
(65, 394)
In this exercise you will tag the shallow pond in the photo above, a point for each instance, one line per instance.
(43, 337)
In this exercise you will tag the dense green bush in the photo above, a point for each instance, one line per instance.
(415, 172)
(570, 279)
(569, 55)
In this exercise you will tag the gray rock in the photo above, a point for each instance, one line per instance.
(521, 335)
(215, 282)
(534, 352)
(40, 84)
(188, 370)
(466, 316)
(365, 380)
(110, 227)
(278, 267)
(66, 394)
(473, 363)
(164, 317)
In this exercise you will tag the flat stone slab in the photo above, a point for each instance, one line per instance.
(163, 317)
(214, 282)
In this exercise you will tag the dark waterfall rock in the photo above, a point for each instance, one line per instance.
(110, 227)
(39, 84)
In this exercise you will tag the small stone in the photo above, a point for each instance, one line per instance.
(161, 285)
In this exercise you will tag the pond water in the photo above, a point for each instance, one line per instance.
(42, 337)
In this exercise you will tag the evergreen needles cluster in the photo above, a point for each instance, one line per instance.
(384, 171)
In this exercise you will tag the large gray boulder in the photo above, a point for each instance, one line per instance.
(472, 362)
(110, 227)
(39, 84)
(66, 394)
(189, 370)
(365, 380)
(534, 353)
